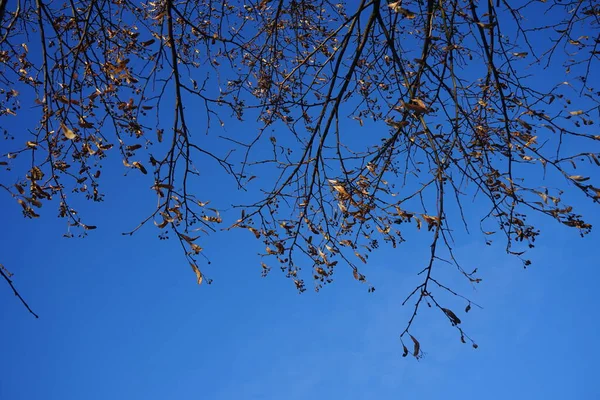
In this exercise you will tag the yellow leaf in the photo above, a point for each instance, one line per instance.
(69, 134)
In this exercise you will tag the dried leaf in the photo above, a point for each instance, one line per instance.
(453, 318)
(187, 238)
(397, 124)
(579, 178)
(362, 258)
(198, 273)
(417, 347)
(417, 106)
(196, 249)
(139, 166)
(162, 224)
(255, 231)
(69, 134)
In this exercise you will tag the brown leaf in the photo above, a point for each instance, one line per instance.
(69, 134)
(453, 318)
(36, 173)
(397, 124)
(431, 220)
(139, 166)
(417, 348)
(417, 106)
(362, 258)
(162, 224)
(187, 238)
(405, 349)
(84, 124)
(397, 7)
(579, 178)
(147, 42)
(197, 249)
(198, 273)
(255, 231)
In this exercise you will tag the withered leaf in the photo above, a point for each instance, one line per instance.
(139, 166)
(417, 106)
(405, 349)
(69, 134)
(397, 7)
(162, 224)
(198, 273)
(453, 318)
(147, 42)
(36, 174)
(417, 347)
(187, 238)
(579, 178)
(197, 249)
(362, 258)
(255, 231)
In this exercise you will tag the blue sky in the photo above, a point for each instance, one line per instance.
(122, 317)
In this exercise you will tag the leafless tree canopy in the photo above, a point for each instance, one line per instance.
(371, 119)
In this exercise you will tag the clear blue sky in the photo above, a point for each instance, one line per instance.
(122, 317)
